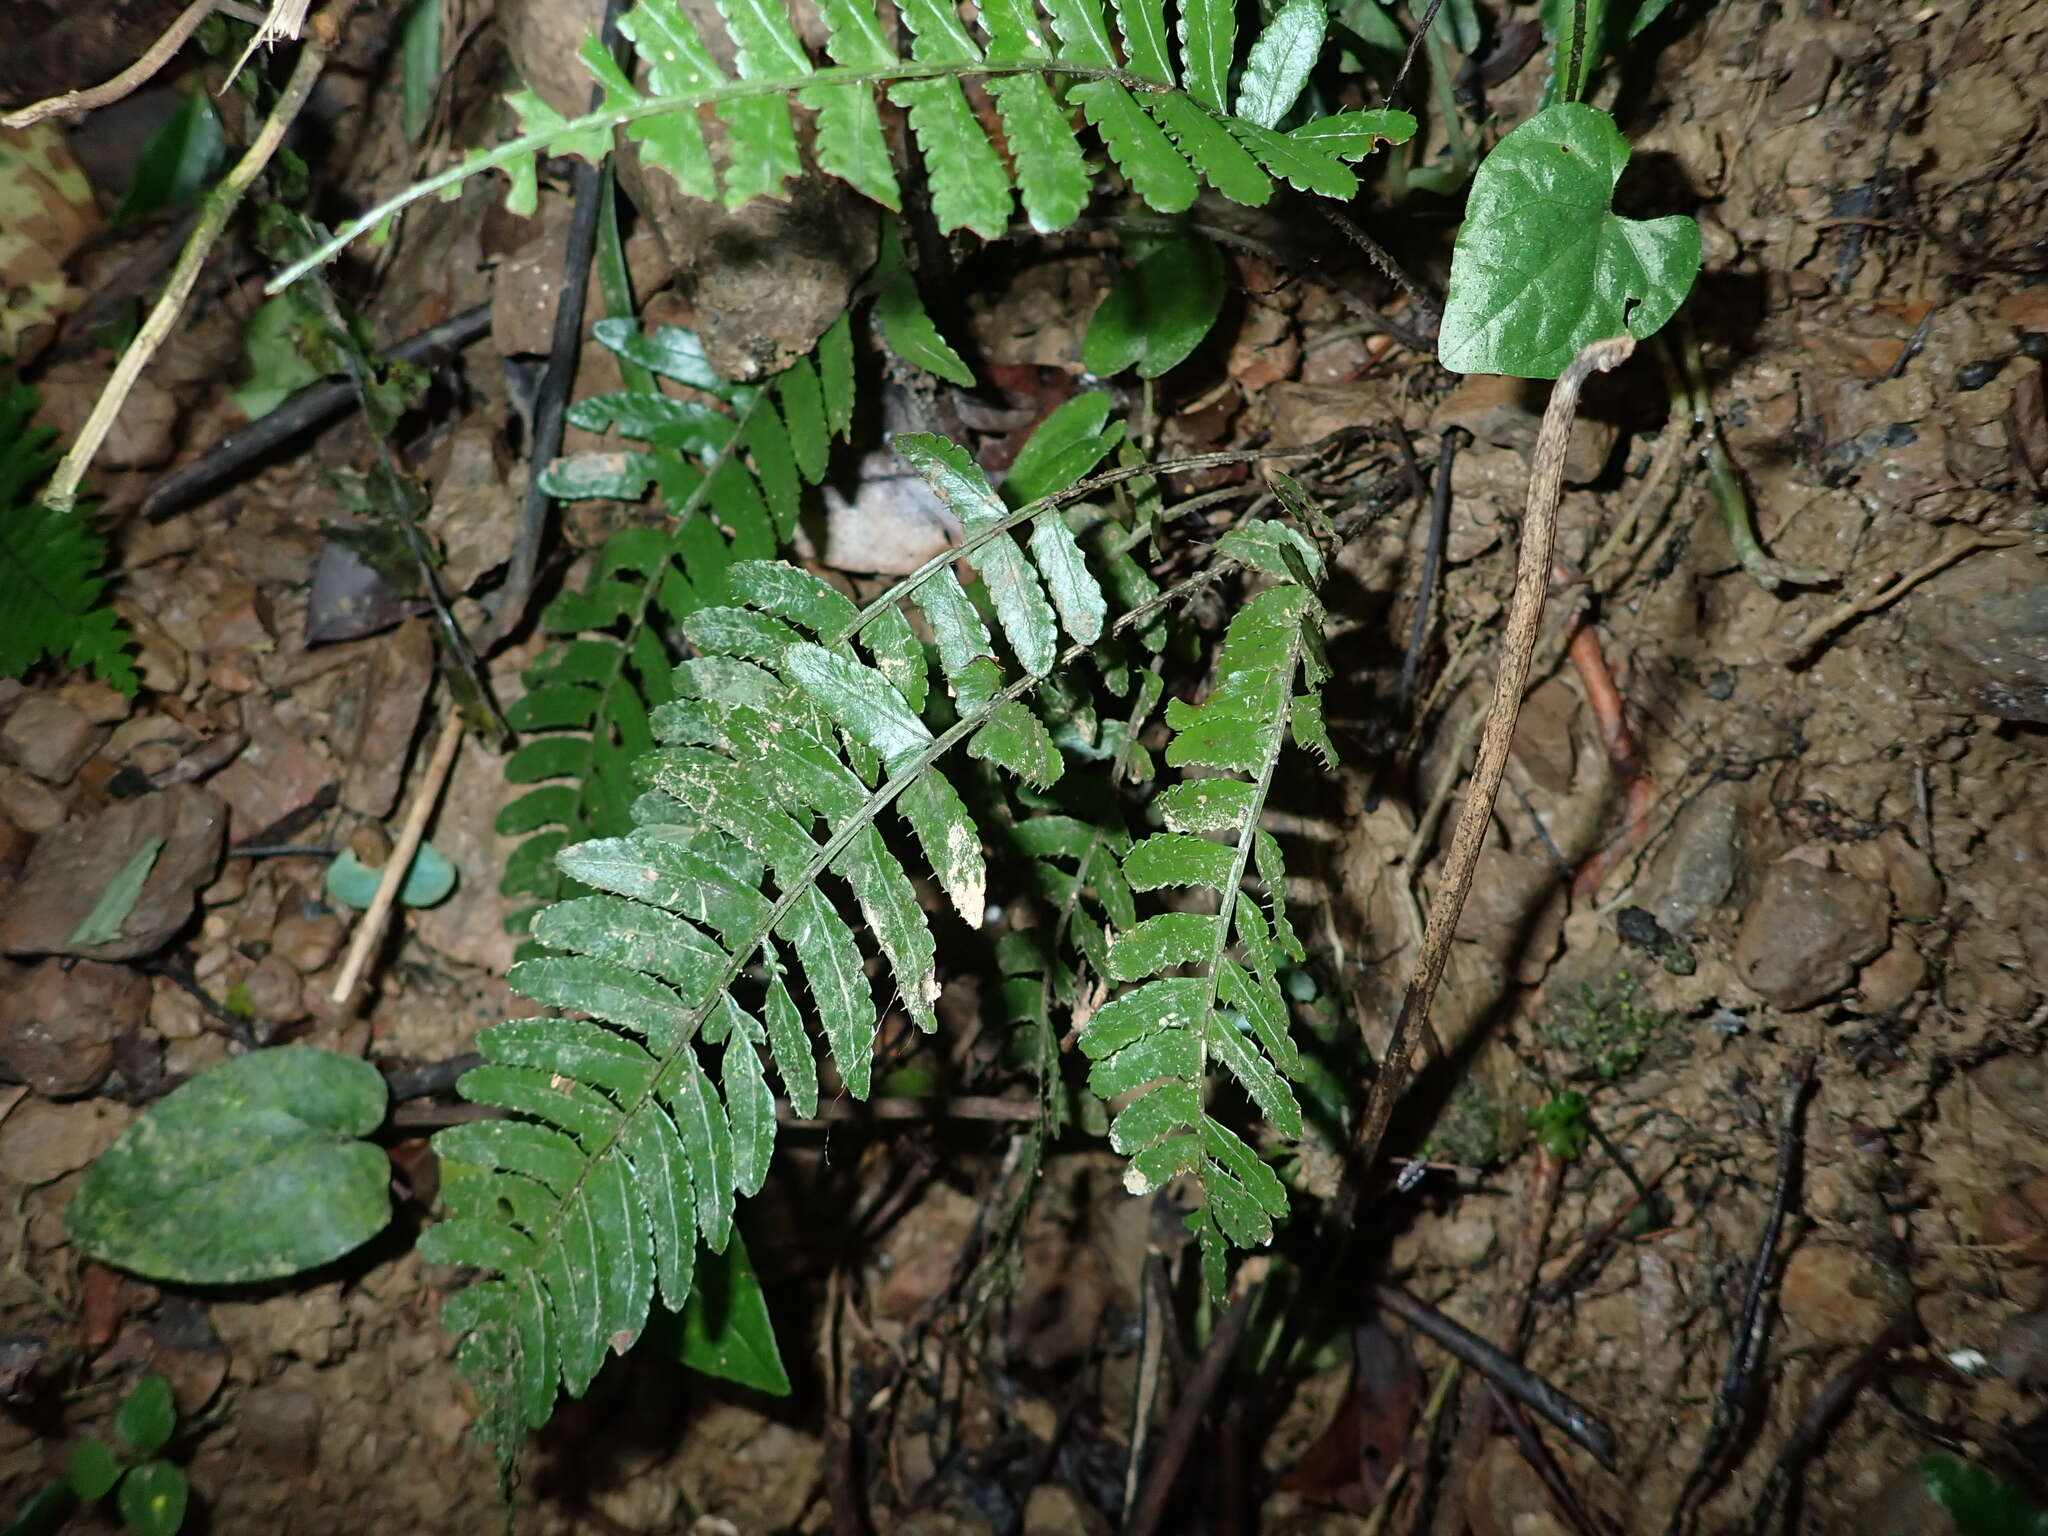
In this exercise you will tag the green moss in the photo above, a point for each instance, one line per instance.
(1605, 1031)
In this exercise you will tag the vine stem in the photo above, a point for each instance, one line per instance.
(126, 82)
(322, 36)
(1524, 622)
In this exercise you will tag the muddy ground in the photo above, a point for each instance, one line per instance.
(1747, 826)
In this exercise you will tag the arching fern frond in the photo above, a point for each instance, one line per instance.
(716, 932)
(1167, 126)
(729, 463)
(1209, 989)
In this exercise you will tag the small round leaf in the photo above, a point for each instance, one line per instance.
(249, 1172)
(93, 1470)
(147, 1416)
(1544, 266)
(152, 1499)
(352, 883)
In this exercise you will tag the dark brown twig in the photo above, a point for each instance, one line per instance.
(1179, 1438)
(1745, 1352)
(313, 406)
(1432, 561)
(1515, 1379)
(1829, 1406)
(1545, 1466)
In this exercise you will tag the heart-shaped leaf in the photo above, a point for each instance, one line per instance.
(1158, 312)
(248, 1172)
(1544, 266)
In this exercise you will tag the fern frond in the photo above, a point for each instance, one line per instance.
(730, 463)
(796, 724)
(1208, 989)
(1166, 138)
(51, 592)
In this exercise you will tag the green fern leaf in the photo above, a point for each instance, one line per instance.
(1280, 60)
(1208, 40)
(50, 588)
(1158, 1039)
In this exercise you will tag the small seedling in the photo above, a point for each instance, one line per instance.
(1560, 1126)
(149, 1493)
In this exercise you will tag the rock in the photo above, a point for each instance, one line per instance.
(1054, 1509)
(1505, 1497)
(2021, 1354)
(1894, 976)
(474, 517)
(276, 775)
(1807, 931)
(309, 943)
(766, 279)
(282, 1426)
(375, 720)
(470, 925)
(50, 737)
(95, 700)
(1840, 1296)
(29, 803)
(275, 993)
(42, 1141)
(72, 866)
(1505, 413)
(759, 1474)
(2018, 1085)
(1981, 629)
(890, 525)
(2015, 1221)
(59, 1022)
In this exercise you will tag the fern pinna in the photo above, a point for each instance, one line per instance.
(1167, 128)
(730, 466)
(716, 936)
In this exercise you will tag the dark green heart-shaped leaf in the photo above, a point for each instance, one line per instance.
(249, 1172)
(1544, 266)
(1158, 312)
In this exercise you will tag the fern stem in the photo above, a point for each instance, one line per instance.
(608, 118)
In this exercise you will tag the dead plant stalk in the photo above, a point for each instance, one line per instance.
(1518, 648)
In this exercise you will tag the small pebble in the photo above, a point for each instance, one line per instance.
(1976, 375)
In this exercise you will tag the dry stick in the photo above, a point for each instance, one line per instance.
(123, 84)
(1856, 607)
(1745, 1353)
(1833, 1402)
(1525, 619)
(1179, 1438)
(1515, 1379)
(220, 206)
(423, 801)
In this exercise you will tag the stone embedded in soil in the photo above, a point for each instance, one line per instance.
(2021, 1354)
(1894, 976)
(377, 716)
(50, 737)
(2018, 1085)
(41, 1141)
(1981, 628)
(1054, 1509)
(1696, 867)
(59, 1021)
(276, 775)
(1807, 931)
(29, 803)
(72, 866)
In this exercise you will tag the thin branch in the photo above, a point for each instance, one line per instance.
(125, 83)
(1515, 1379)
(221, 203)
(1745, 1352)
(1518, 647)
(371, 928)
